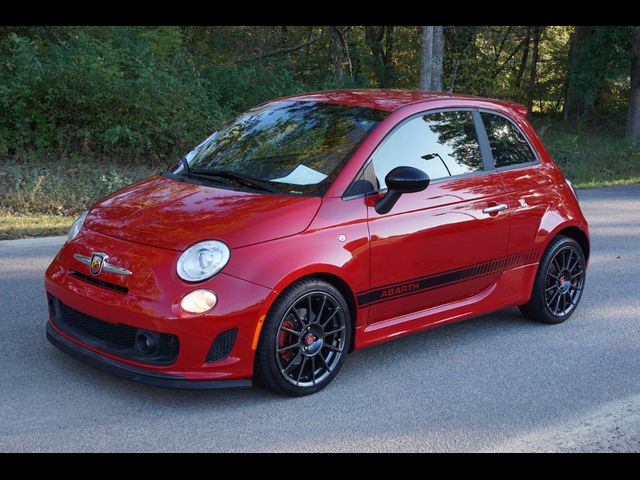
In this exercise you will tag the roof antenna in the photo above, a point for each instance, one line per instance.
(453, 77)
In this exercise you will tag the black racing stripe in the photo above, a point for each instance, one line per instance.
(421, 284)
(409, 287)
(481, 266)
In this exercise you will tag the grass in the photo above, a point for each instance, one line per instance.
(64, 187)
(591, 155)
(42, 197)
(35, 225)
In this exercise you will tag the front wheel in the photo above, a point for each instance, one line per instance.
(559, 282)
(304, 340)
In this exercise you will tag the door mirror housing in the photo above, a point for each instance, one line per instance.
(401, 180)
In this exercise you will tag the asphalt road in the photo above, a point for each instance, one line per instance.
(495, 383)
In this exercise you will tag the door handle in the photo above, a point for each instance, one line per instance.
(495, 209)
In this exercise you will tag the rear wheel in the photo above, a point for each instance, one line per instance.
(559, 282)
(304, 340)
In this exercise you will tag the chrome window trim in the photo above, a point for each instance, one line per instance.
(518, 165)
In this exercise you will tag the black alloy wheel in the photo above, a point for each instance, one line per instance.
(305, 339)
(559, 282)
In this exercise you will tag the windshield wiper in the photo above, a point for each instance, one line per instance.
(243, 177)
(199, 174)
(186, 167)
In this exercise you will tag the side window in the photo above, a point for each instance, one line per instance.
(442, 144)
(508, 145)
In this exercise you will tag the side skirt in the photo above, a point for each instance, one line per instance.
(512, 288)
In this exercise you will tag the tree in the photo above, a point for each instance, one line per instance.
(382, 53)
(341, 54)
(534, 67)
(633, 116)
(426, 70)
(432, 58)
(524, 58)
(438, 57)
(576, 102)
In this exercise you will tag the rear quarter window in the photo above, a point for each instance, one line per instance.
(507, 142)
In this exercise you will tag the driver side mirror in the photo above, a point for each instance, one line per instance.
(401, 180)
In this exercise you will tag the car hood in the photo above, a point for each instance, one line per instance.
(171, 214)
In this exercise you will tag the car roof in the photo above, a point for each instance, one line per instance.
(391, 99)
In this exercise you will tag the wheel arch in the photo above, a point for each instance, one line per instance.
(348, 295)
(329, 276)
(579, 236)
(575, 230)
(571, 230)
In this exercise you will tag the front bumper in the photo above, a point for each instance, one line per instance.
(150, 301)
(140, 375)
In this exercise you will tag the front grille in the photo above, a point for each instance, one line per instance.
(100, 283)
(117, 336)
(222, 345)
(118, 339)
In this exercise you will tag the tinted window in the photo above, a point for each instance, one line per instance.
(296, 146)
(441, 144)
(508, 145)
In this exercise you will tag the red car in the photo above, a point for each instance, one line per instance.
(315, 225)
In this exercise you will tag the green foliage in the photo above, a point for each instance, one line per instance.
(127, 94)
(126, 97)
(87, 110)
(590, 155)
(236, 87)
(604, 67)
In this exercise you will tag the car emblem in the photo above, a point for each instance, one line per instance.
(98, 263)
(309, 339)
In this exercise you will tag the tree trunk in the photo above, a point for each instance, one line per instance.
(438, 57)
(523, 60)
(534, 69)
(388, 51)
(633, 117)
(284, 35)
(575, 105)
(426, 63)
(387, 58)
(373, 37)
(341, 54)
(308, 45)
(338, 51)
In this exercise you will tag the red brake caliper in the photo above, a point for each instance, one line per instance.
(285, 339)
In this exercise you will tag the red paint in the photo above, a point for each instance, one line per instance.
(276, 240)
(185, 213)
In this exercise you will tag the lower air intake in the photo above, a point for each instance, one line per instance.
(222, 345)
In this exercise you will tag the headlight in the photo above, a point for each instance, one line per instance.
(199, 301)
(77, 225)
(202, 260)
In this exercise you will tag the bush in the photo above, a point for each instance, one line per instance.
(98, 98)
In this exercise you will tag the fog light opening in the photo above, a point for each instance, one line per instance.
(146, 342)
(199, 301)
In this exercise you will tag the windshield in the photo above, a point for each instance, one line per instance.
(283, 146)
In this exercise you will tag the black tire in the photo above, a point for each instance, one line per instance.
(562, 267)
(297, 357)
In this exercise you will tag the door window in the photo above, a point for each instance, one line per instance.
(442, 144)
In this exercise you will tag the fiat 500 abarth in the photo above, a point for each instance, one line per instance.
(314, 225)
